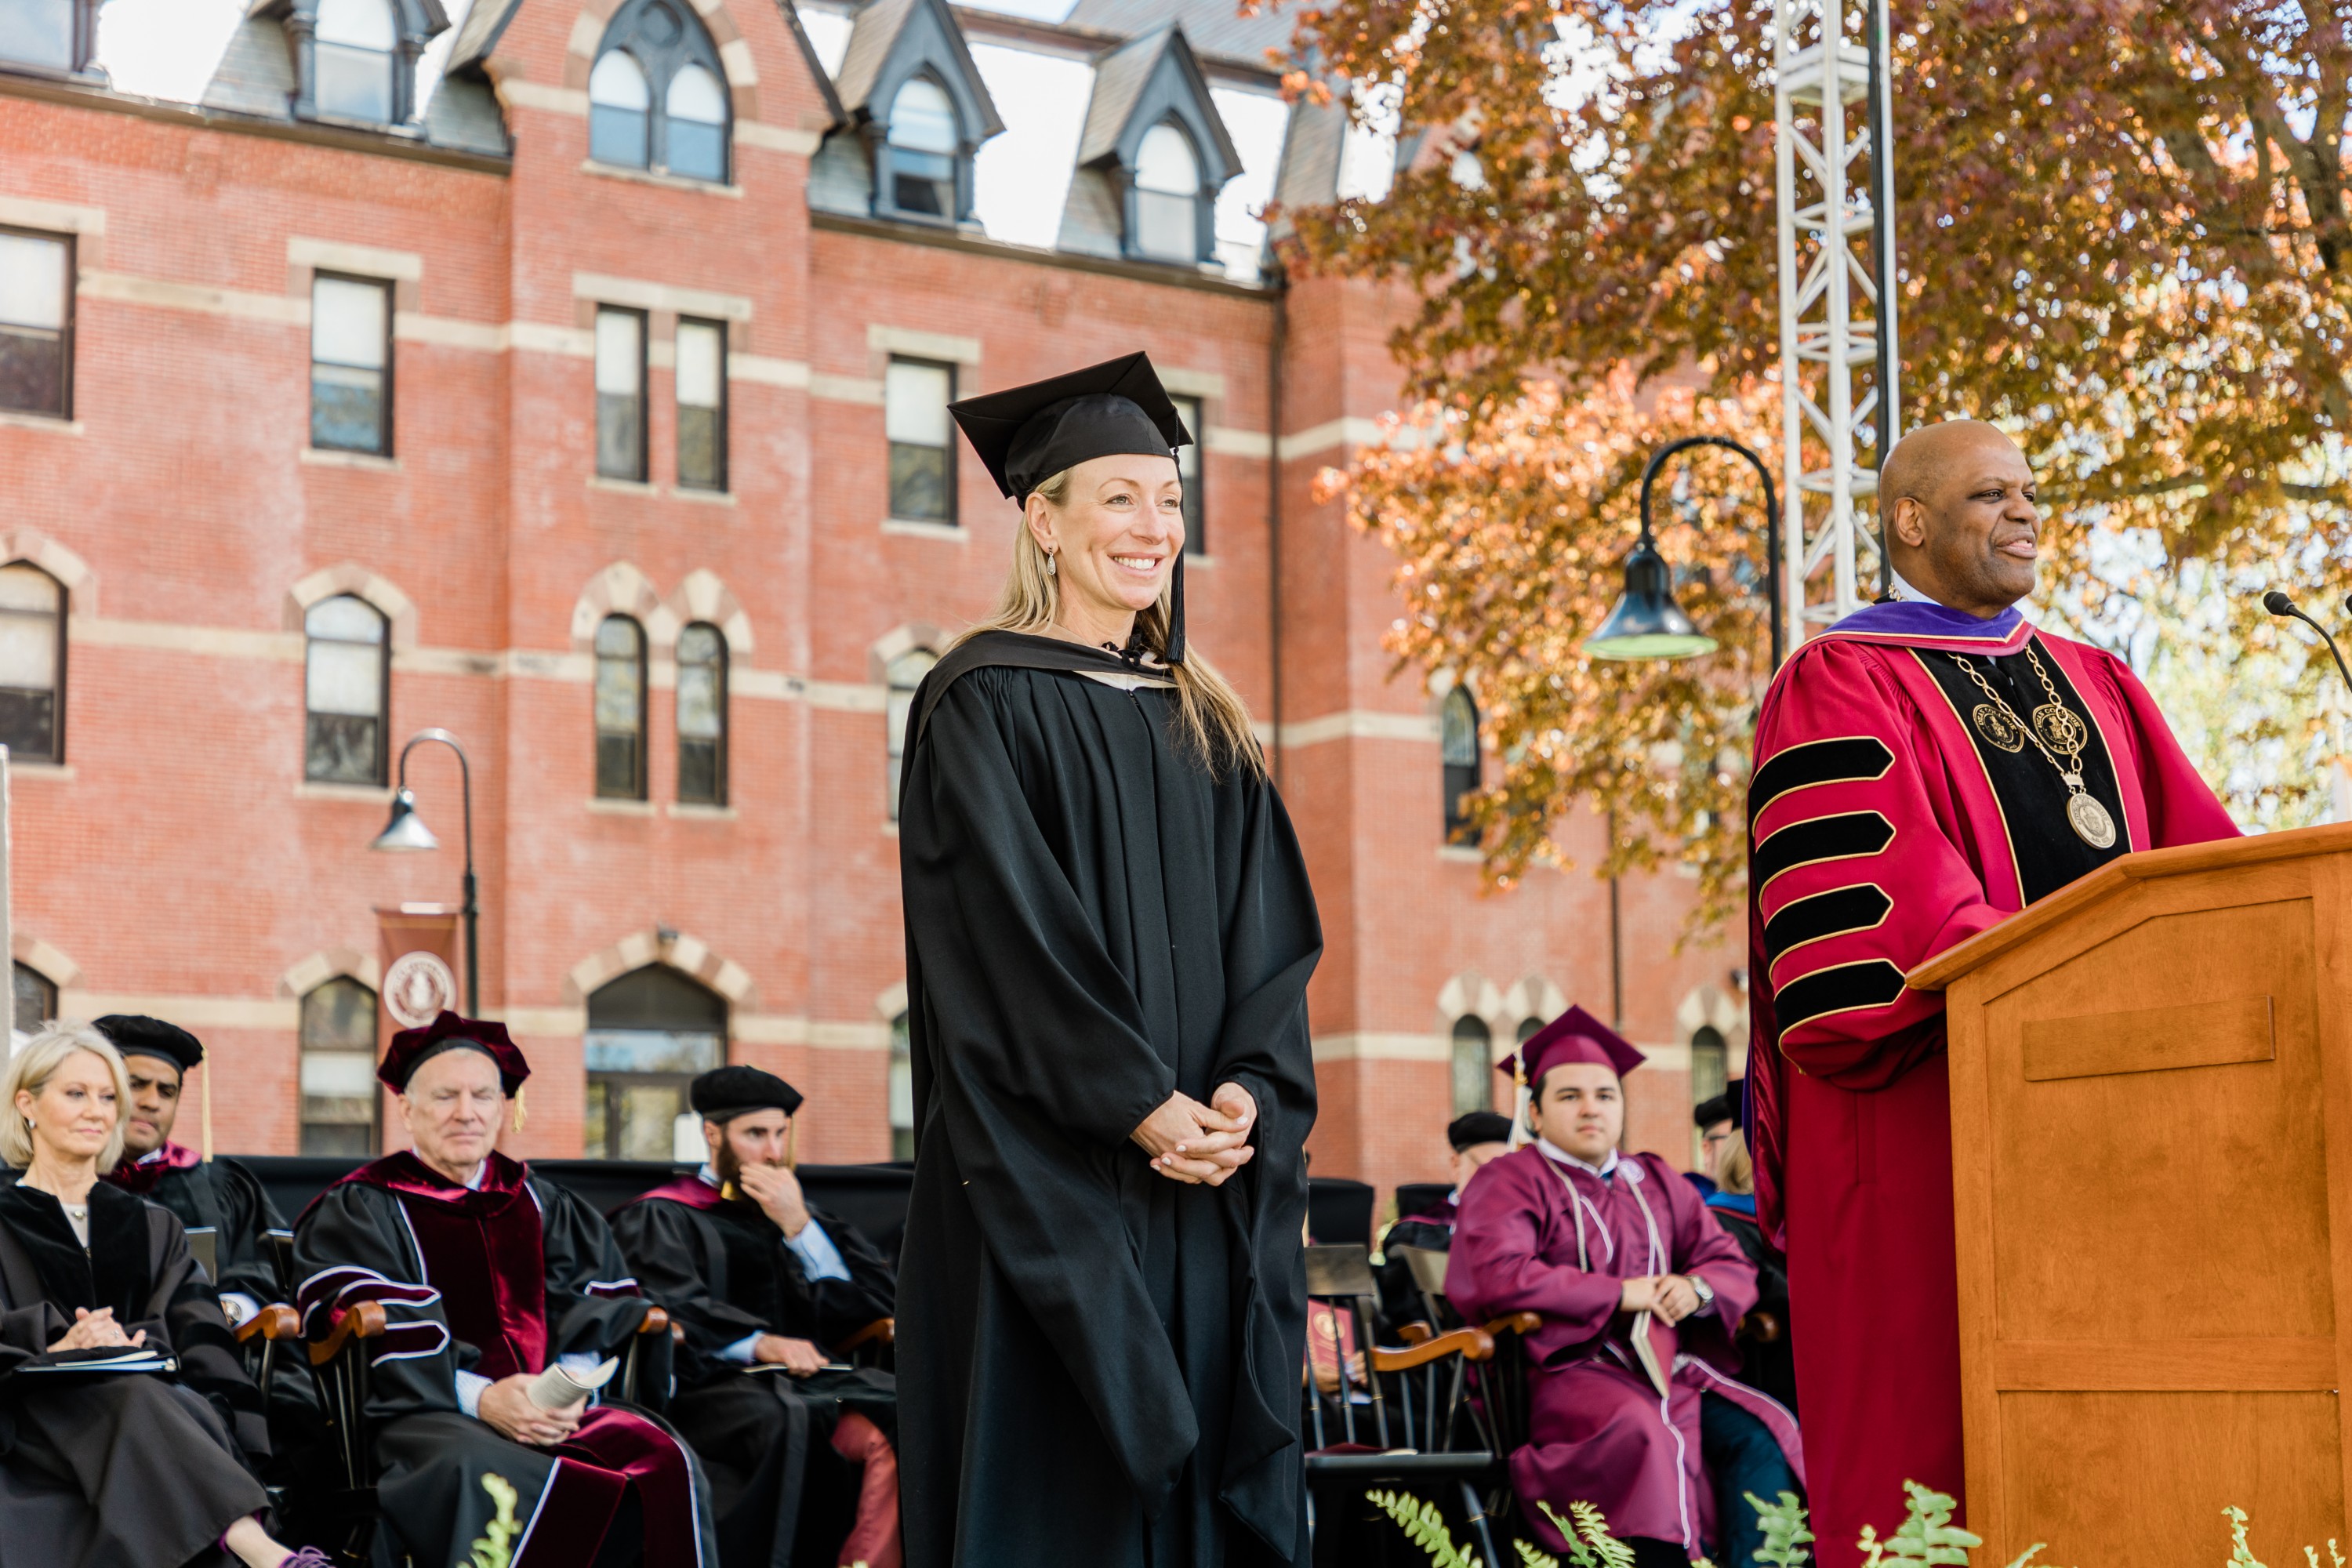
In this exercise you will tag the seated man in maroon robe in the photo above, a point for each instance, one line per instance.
(490, 1276)
(1926, 767)
(1605, 1247)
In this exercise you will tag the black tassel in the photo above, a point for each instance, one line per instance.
(1174, 655)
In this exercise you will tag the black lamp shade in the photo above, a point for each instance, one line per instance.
(1647, 622)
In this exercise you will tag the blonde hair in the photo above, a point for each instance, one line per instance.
(1215, 721)
(1735, 1173)
(35, 1062)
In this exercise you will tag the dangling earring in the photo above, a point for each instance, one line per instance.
(1051, 570)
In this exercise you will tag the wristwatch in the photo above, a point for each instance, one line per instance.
(1706, 1292)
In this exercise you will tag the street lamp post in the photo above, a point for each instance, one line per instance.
(1646, 622)
(407, 833)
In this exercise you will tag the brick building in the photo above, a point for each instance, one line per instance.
(569, 375)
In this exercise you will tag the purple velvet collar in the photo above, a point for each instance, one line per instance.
(692, 1191)
(1915, 623)
(404, 1174)
(142, 1176)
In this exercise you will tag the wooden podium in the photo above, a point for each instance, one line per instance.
(2152, 1174)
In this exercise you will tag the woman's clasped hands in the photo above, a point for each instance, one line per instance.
(97, 1331)
(1199, 1144)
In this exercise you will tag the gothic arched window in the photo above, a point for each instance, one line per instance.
(657, 94)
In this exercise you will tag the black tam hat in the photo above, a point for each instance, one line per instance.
(135, 1036)
(1478, 1127)
(1026, 435)
(724, 1093)
(412, 1049)
(1716, 1108)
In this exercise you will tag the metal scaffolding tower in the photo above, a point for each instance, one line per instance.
(1837, 313)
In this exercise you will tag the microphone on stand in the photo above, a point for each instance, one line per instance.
(2278, 604)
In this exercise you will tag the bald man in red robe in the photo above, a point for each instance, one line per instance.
(1927, 767)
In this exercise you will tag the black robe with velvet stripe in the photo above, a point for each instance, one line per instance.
(128, 1470)
(360, 1240)
(220, 1195)
(781, 1493)
(1097, 1363)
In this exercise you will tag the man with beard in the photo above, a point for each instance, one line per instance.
(764, 1287)
(207, 1194)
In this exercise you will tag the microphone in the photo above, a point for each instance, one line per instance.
(2278, 604)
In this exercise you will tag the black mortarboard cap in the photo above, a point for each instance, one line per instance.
(1715, 1108)
(1478, 1127)
(1026, 435)
(723, 1093)
(135, 1036)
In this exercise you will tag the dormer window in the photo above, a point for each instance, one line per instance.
(1168, 196)
(357, 46)
(55, 35)
(656, 96)
(923, 150)
(354, 60)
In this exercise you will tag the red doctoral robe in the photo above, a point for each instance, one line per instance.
(1886, 824)
(1536, 1233)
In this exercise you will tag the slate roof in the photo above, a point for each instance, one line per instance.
(486, 24)
(1214, 27)
(1121, 79)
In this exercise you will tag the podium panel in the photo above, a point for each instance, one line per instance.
(2152, 1176)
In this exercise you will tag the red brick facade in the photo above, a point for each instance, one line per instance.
(177, 862)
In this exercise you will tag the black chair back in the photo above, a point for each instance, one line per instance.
(1338, 1211)
(1420, 1197)
(1340, 1288)
(1427, 1267)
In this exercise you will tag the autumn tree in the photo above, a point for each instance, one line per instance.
(2122, 231)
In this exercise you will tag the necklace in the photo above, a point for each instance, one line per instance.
(2054, 729)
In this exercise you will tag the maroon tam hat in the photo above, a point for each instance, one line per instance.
(412, 1049)
(1576, 1036)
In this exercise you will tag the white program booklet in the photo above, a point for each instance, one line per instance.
(560, 1388)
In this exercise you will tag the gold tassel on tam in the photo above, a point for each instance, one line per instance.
(519, 1094)
(204, 1101)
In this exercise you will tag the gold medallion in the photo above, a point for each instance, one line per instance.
(2090, 820)
(2059, 728)
(1998, 727)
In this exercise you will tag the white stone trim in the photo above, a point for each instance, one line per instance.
(1361, 724)
(1351, 431)
(58, 218)
(49, 963)
(704, 597)
(641, 294)
(366, 260)
(1228, 442)
(517, 93)
(892, 1003)
(831, 388)
(761, 370)
(622, 589)
(777, 138)
(684, 952)
(918, 345)
(329, 963)
(1203, 384)
(35, 548)
(399, 611)
(1369, 1046)
(121, 288)
(193, 1013)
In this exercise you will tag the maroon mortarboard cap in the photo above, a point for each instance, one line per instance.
(412, 1049)
(1576, 1036)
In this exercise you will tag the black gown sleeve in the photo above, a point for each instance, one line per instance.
(183, 1313)
(842, 1307)
(352, 1247)
(593, 1301)
(679, 1263)
(1042, 1017)
(247, 1213)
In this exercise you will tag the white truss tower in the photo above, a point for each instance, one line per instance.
(1831, 313)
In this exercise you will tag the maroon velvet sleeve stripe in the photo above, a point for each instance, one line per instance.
(1833, 913)
(1846, 836)
(1841, 988)
(1848, 759)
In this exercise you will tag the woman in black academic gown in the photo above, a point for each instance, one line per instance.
(1102, 1297)
(131, 1468)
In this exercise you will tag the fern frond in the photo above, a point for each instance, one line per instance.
(1529, 1557)
(1786, 1535)
(2241, 1554)
(2025, 1560)
(495, 1547)
(1580, 1554)
(1425, 1527)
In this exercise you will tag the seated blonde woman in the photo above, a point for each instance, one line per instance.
(135, 1468)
